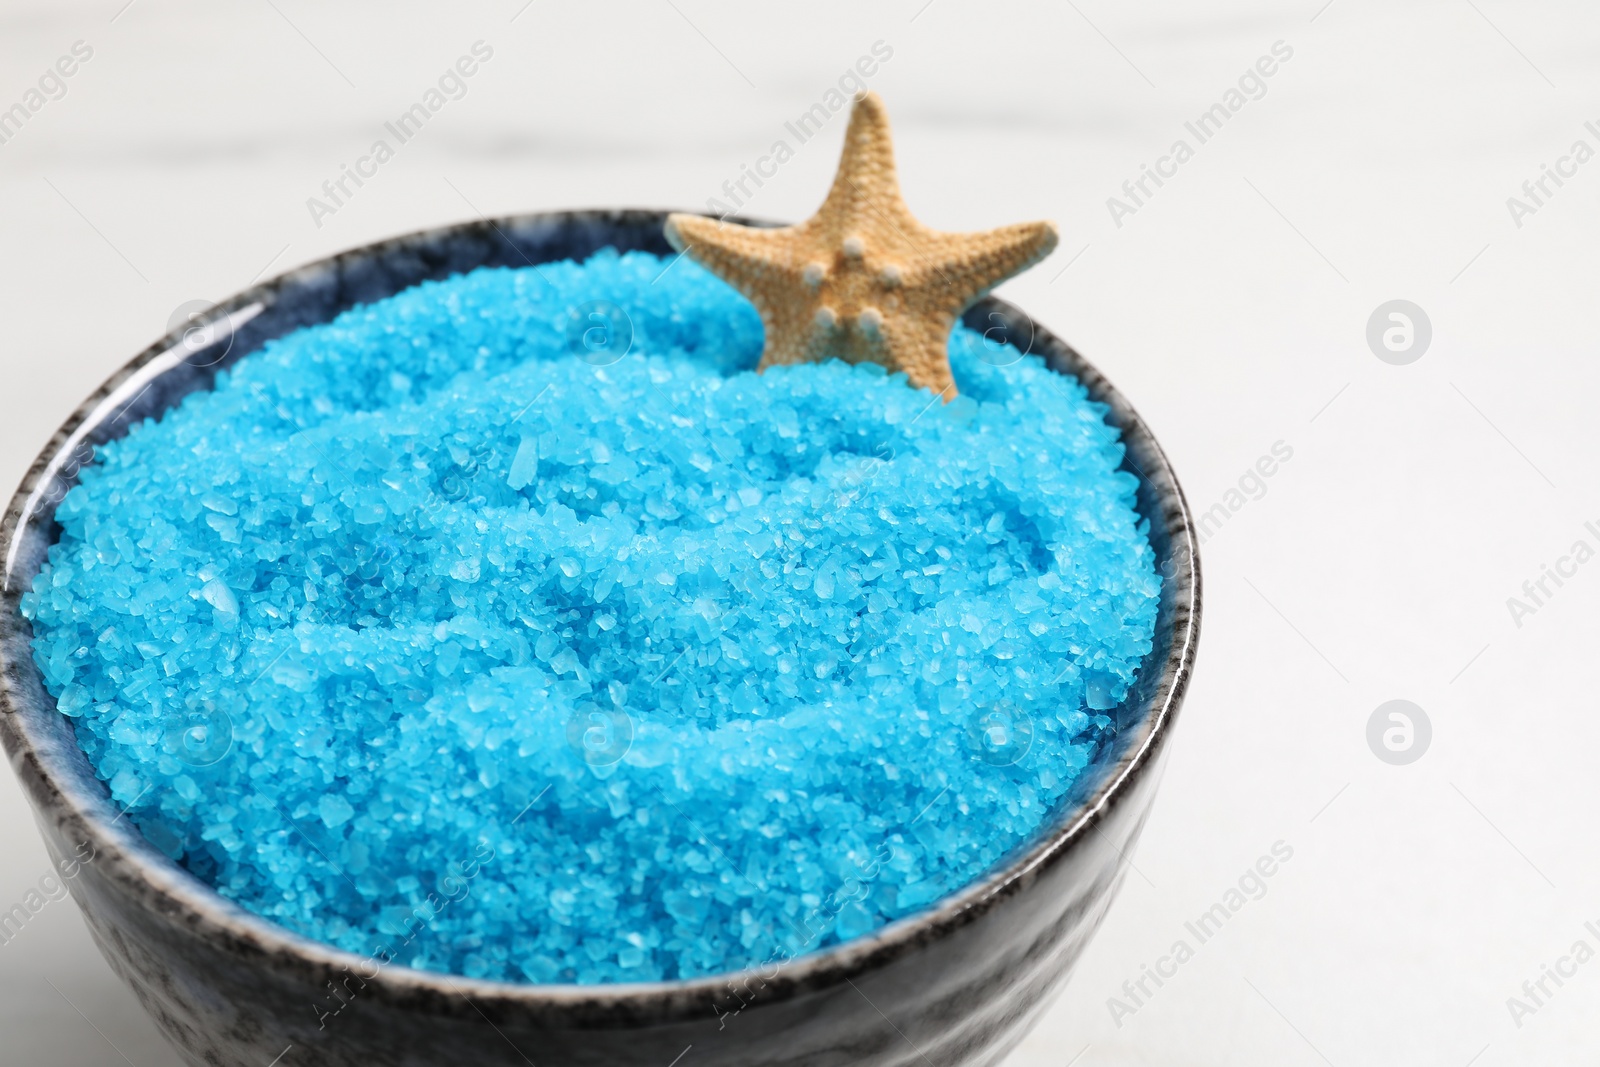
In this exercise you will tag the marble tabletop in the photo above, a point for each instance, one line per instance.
(1393, 506)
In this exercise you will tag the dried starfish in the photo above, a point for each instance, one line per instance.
(862, 280)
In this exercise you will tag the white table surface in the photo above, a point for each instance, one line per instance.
(1231, 308)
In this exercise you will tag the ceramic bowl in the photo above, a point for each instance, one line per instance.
(958, 984)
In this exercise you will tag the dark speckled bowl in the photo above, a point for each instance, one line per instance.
(958, 984)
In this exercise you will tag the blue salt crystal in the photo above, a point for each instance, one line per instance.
(430, 634)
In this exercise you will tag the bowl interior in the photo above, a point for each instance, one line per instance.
(59, 775)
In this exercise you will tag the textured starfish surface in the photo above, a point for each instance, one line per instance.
(862, 280)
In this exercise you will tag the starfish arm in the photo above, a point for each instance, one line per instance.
(920, 347)
(866, 186)
(792, 335)
(963, 267)
(740, 255)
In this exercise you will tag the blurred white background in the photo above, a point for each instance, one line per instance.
(1231, 308)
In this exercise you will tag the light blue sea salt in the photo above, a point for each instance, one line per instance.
(436, 636)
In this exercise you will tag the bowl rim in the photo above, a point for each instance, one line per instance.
(57, 789)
